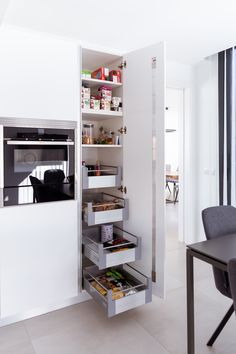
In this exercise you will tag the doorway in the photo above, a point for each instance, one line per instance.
(174, 138)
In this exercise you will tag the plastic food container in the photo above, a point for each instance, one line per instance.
(87, 137)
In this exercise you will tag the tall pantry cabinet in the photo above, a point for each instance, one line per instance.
(48, 265)
(122, 183)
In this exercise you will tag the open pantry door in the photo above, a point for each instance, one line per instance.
(144, 171)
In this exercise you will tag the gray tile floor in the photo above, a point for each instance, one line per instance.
(157, 328)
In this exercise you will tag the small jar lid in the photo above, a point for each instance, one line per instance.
(88, 125)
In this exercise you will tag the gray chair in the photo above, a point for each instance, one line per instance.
(232, 279)
(219, 221)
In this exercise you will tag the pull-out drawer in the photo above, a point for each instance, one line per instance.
(137, 293)
(106, 209)
(110, 176)
(110, 255)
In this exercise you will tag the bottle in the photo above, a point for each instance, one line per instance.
(98, 168)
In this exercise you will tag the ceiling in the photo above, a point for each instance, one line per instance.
(191, 29)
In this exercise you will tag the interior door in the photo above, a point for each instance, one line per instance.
(144, 177)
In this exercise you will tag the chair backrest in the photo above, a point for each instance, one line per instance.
(54, 178)
(232, 279)
(41, 192)
(220, 221)
(36, 184)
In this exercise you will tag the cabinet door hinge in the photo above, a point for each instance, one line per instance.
(122, 65)
(123, 189)
(122, 130)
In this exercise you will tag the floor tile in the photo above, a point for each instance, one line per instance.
(19, 349)
(121, 334)
(13, 335)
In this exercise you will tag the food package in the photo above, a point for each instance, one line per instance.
(115, 281)
(85, 103)
(105, 104)
(115, 102)
(117, 294)
(106, 233)
(85, 92)
(101, 74)
(86, 74)
(105, 92)
(115, 76)
(99, 288)
(94, 103)
(103, 206)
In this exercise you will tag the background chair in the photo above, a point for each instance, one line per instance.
(46, 193)
(220, 221)
(40, 194)
(54, 178)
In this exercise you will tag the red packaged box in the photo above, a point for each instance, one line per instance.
(100, 74)
(115, 76)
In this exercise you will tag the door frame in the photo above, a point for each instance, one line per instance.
(183, 159)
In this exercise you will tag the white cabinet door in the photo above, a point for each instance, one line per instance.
(39, 256)
(39, 76)
(144, 116)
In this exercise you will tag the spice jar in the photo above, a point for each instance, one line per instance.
(87, 137)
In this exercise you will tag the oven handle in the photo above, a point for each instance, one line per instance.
(1, 167)
(19, 142)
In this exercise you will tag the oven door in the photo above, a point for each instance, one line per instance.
(36, 172)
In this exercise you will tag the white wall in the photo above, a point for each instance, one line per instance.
(206, 148)
(174, 101)
(201, 145)
(179, 75)
(39, 76)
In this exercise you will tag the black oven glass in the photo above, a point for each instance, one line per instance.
(39, 165)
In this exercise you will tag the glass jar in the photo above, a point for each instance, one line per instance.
(87, 135)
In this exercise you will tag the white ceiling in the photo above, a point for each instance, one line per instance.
(192, 29)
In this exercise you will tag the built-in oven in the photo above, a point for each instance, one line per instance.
(38, 165)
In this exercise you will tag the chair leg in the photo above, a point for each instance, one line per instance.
(221, 326)
(176, 195)
(167, 186)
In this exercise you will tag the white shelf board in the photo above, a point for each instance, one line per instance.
(100, 146)
(96, 83)
(99, 115)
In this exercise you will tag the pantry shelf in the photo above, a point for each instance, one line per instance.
(96, 83)
(99, 115)
(100, 146)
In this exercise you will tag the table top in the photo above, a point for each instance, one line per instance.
(172, 176)
(221, 249)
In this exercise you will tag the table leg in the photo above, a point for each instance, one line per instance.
(190, 302)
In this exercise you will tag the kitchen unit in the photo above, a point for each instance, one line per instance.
(52, 255)
(120, 165)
